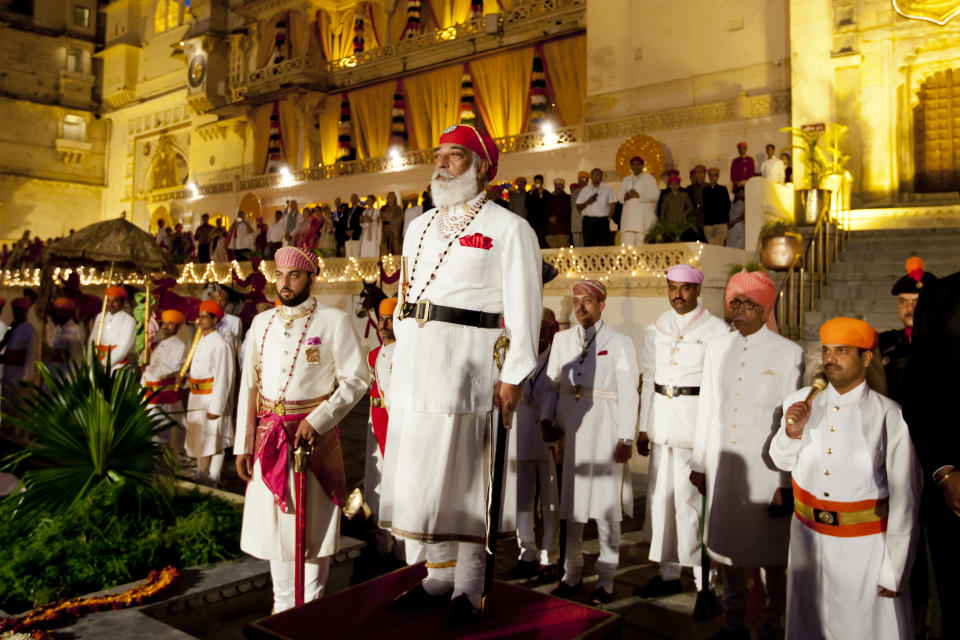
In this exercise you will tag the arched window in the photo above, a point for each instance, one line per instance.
(936, 130)
(167, 16)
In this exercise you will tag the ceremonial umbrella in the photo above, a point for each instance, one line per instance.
(110, 244)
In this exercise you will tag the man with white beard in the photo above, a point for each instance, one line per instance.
(445, 383)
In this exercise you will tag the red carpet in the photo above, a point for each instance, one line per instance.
(361, 612)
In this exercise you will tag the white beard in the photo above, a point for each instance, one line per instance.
(448, 191)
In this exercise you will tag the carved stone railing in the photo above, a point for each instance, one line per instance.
(641, 265)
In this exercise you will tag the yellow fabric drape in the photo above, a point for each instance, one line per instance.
(337, 32)
(566, 62)
(328, 118)
(449, 12)
(433, 104)
(502, 84)
(397, 21)
(296, 37)
(290, 135)
(370, 109)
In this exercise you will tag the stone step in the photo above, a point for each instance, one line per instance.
(930, 253)
(882, 267)
(879, 320)
(872, 305)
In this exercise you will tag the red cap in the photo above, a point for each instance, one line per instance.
(741, 145)
(673, 179)
(64, 303)
(480, 143)
(212, 308)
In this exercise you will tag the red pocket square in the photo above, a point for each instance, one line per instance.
(477, 240)
(602, 353)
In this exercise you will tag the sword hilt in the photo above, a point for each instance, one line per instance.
(300, 456)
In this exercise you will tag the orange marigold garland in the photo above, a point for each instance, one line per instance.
(58, 613)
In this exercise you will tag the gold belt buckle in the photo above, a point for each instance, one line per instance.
(279, 409)
(422, 312)
(376, 402)
(577, 392)
(670, 392)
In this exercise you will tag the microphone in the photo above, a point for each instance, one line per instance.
(818, 384)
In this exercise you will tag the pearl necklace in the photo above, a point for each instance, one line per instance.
(448, 224)
(279, 408)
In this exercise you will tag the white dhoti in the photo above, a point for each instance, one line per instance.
(270, 534)
(841, 602)
(675, 513)
(530, 474)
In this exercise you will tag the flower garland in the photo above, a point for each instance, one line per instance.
(412, 27)
(345, 150)
(468, 114)
(538, 93)
(49, 615)
(358, 40)
(398, 119)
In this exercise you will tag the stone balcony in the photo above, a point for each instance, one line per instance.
(526, 23)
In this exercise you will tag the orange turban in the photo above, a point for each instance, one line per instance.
(116, 292)
(172, 315)
(387, 306)
(848, 331)
(757, 286)
(66, 304)
(212, 308)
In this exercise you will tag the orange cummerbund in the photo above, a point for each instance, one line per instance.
(201, 387)
(163, 391)
(104, 349)
(840, 519)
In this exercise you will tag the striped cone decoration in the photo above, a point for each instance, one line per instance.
(345, 150)
(468, 107)
(538, 93)
(275, 141)
(280, 40)
(398, 119)
(413, 19)
(358, 36)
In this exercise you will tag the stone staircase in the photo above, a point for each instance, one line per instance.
(860, 283)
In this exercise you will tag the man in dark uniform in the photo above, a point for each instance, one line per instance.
(895, 344)
(931, 386)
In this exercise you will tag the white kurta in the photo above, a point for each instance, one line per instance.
(526, 418)
(22, 340)
(435, 472)
(639, 213)
(854, 447)
(230, 328)
(594, 487)
(371, 234)
(166, 360)
(118, 336)
(744, 382)
(67, 338)
(212, 359)
(772, 169)
(330, 363)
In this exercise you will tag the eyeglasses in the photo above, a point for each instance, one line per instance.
(747, 305)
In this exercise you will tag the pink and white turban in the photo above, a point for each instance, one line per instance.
(294, 258)
(593, 288)
(757, 286)
(685, 273)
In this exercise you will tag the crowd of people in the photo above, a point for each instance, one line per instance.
(811, 492)
(587, 214)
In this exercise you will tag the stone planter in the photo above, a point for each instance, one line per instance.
(778, 252)
(812, 204)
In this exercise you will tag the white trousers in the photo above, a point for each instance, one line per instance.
(774, 604)
(608, 535)
(371, 490)
(529, 473)
(676, 509)
(283, 573)
(209, 467)
(450, 565)
(631, 237)
(351, 248)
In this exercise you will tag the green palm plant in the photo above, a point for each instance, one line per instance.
(87, 425)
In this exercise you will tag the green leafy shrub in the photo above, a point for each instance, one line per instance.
(115, 534)
(685, 231)
(750, 267)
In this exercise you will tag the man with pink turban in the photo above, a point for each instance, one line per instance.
(593, 399)
(303, 371)
(746, 375)
(672, 366)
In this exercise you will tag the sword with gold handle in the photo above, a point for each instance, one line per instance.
(496, 497)
(186, 363)
(300, 456)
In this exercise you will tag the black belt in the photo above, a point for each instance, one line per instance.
(424, 311)
(672, 392)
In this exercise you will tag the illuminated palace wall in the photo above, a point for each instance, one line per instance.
(888, 77)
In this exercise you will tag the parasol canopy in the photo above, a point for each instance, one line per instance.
(117, 242)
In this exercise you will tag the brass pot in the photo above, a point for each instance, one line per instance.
(778, 252)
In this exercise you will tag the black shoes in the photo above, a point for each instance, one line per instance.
(563, 590)
(706, 606)
(547, 573)
(417, 599)
(461, 613)
(658, 588)
(524, 570)
(599, 596)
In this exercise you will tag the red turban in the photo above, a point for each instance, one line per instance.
(593, 288)
(172, 315)
(67, 304)
(480, 143)
(848, 331)
(673, 179)
(741, 145)
(21, 303)
(212, 308)
(295, 258)
(636, 159)
(757, 286)
(116, 292)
